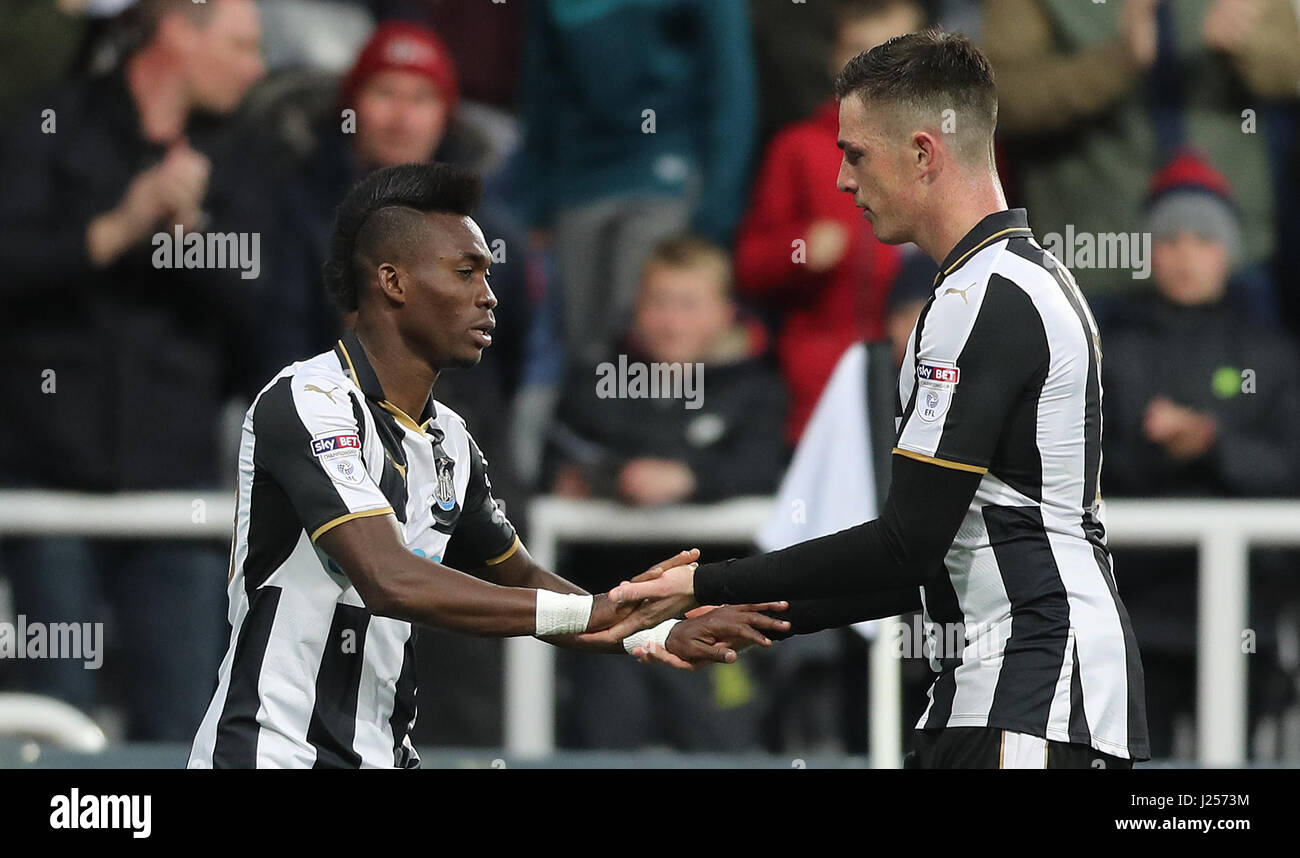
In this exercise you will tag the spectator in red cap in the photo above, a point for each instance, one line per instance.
(1199, 401)
(404, 84)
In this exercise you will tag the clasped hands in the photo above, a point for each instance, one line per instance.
(708, 634)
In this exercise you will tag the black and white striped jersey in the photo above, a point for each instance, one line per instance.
(311, 678)
(1002, 378)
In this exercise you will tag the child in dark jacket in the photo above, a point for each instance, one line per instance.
(691, 412)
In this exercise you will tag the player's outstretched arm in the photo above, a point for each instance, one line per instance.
(394, 582)
(702, 639)
(520, 570)
(902, 548)
(689, 646)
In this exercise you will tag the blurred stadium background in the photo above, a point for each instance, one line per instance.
(660, 185)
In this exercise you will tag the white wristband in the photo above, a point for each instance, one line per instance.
(562, 613)
(657, 635)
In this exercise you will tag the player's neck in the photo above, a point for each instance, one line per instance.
(957, 215)
(406, 379)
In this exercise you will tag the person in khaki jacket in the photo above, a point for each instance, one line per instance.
(1095, 96)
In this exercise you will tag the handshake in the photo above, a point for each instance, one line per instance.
(652, 600)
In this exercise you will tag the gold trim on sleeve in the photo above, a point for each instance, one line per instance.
(335, 522)
(944, 463)
(502, 558)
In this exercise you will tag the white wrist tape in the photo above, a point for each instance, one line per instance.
(657, 635)
(562, 613)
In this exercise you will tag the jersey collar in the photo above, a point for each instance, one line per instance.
(353, 357)
(994, 227)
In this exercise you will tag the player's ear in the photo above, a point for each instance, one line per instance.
(925, 151)
(391, 282)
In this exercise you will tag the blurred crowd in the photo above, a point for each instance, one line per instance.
(660, 188)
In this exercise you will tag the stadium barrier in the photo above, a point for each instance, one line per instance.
(44, 719)
(1222, 531)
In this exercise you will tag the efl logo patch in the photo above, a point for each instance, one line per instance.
(333, 446)
(935, 383)
(347, 470)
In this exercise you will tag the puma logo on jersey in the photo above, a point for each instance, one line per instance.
(314, 389)
(961, 292)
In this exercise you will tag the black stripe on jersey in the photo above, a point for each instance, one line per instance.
(359, 416)
(1020, 434)
(1007, 346)
(482, 532)
(393, 485)
(391, 481)
(334, 717)
(1092, 401)
(273, 530)
(1079, 732)
(1034, 653)
(943, 609)
(1139, 744)
(235, 746)
(276, 416)
(404, 703)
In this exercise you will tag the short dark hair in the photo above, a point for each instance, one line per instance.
(377, 208)
(927, 71)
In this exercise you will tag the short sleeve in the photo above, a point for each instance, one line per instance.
(483, 535)
(979, 348)
(308, 440)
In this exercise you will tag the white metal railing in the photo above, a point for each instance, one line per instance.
(1223, 531)
(31, 716)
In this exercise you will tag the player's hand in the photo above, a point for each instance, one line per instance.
(611, 621)
(665, 596)
(605, 614)
(674, 583)
(715, 635)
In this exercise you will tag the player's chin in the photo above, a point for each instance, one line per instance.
(468, 358)
(886, 234)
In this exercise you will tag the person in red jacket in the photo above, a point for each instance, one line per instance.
(803, 248)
